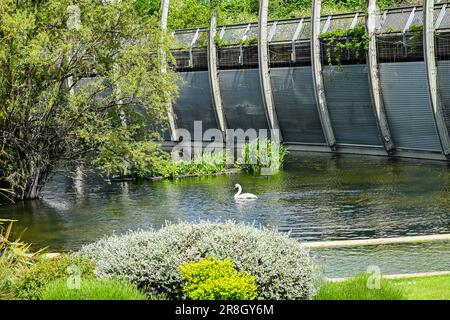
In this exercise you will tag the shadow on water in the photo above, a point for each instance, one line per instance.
(317, 197)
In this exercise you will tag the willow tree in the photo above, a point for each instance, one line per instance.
(78, 77)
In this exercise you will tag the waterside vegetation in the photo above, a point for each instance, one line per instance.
(204, 260)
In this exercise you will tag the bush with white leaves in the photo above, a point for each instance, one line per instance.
(282, 267)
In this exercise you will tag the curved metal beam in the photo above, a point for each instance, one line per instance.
(213, 77)
(372, 22)
(264, 76)
(431, 71)
(170, 113)
(316, 64)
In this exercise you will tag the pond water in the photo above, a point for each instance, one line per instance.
(316, 197)
(389, 259)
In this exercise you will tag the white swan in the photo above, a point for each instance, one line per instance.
(241, 196)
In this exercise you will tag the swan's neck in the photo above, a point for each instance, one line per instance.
(239, 191)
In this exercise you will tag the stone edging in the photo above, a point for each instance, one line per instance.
(402, 276)
(379, 241)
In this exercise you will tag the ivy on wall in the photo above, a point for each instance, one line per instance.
(339, 42)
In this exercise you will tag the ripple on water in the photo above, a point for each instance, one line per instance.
(317, 197)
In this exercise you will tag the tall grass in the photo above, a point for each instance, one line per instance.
(93, 289)
(6, 193)
(356, 289)
(261, 153)
(15, 258)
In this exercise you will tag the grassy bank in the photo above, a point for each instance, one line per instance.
(425, 288)
(412, 288)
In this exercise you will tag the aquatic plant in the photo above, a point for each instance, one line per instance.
(282, 268)
(261, 153)
(203, 164)
(162, 165)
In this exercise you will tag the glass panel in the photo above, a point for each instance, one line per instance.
(285, 31)
(396, 21)
(183, 39)
(233, 34)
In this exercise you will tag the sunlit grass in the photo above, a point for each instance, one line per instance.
(413, 288)
(425, 288)
(357, 288)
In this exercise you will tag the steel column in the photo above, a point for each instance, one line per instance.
(431, 71)
(170, 113)
(263, 52)
(316, 64)
(372, 21)
(213, 75)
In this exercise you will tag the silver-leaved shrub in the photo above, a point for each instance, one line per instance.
(282, 267)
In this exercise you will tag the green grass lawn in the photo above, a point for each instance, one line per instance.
(414, 288)
(428, 288)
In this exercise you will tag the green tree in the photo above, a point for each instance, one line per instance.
(50, 113)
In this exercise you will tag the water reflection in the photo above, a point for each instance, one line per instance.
(317, 197)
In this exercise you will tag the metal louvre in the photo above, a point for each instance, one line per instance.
(295, 104)
(350, 105)
(194, 102)
(407, 106)
(444, 87)
(241, 98)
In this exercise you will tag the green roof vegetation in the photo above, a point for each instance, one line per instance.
(196, 13)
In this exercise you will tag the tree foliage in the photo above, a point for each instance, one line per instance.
(78, 80)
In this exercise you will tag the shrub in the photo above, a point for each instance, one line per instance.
(282, 268)
(45, 271)
(212, 279)
(93, 289)
(356, 289)
(261, 153)
(15, 258)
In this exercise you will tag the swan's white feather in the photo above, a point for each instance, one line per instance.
(243, 196)
(247, 196)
